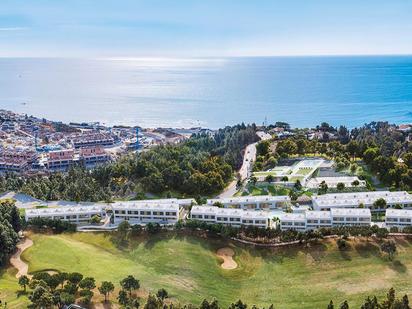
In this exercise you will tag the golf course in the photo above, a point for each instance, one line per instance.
(190, 270)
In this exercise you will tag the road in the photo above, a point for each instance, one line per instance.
(246, 168)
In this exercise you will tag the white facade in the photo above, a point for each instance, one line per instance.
(332, 182)
(398, 217)
(142, 213)
(354, 199)
(252, 202)
(76, 214)
(312, 220)
(351, 216)
(293, 221)
(235, 217)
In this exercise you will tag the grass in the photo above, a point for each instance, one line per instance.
(189, 270)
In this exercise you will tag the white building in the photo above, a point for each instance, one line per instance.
(76, 214)
(354, 199)
(398, 217)
(317, 219)
(293, 221)
(332, 182)
(234, 217)
(252, 202)
(351, 216)
(312, 220)
(142, 213)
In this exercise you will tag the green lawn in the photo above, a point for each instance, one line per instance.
(188, 268)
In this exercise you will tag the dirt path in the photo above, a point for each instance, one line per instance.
(227, 255)
(22, 267)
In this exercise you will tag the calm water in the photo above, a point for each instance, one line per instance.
(211, 92)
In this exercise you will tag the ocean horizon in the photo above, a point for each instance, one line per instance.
(211, 92)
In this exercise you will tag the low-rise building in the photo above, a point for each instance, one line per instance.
(354, 199)
(311, 220)
(398, 218)
(351, 216)
(76, 214)
(142, 213)
(251, 202)
(230, 216)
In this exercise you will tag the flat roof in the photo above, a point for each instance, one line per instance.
(63, 210)
(390, 212)
(359, 212)
(147, 206)
(314, 214)
(258, 214)
(250, 198)
(355, 198)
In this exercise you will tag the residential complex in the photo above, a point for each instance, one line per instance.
(399, 218)
(354, 199)
(76, 214)
(311, 220)
(252, 202)
(228, 216)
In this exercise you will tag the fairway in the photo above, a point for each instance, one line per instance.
(188, 268)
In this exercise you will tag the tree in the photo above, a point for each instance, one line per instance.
(123, 230)
(342, 245)
(74, 278)
(389, 247)
(344, 305)
(379, 204)
(153, 303)
(24, 281)
(95, 219)
(381, 233)
(361, 205)
(269, 178)
(122, 298)
(253, 180)
(323, 187)
(162, 294)
(87, 283)
(285, 178)
(355, 183)
(298, 185)
(105, 289)
(130, 284)
(41, 297)
(340, 186)
(331, 306)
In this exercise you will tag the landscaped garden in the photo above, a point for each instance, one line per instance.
(188, 268)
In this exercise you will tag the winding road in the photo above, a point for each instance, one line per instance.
(248, 158)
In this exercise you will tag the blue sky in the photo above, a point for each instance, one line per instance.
(182, 28)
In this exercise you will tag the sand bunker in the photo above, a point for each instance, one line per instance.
(15, 260)
(226, 254)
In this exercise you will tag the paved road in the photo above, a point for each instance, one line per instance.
(245, 170)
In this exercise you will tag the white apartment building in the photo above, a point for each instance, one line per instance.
(76, 214)
(354, 199)
(312, 220)
(252, 202)
(293, 221)
(230, 216)
(351, 216)
(398, 218)
(142, 213)
(317, 219)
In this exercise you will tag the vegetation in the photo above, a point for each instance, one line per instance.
(188, 269)
(9, 227)
(201, 165)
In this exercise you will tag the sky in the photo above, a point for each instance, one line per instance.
(203, 28)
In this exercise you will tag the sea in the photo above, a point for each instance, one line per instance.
(210, 92)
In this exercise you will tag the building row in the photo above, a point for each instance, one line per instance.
(162, 211)
(355, 199)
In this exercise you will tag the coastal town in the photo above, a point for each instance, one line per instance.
(268, 186)
(31, 145)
